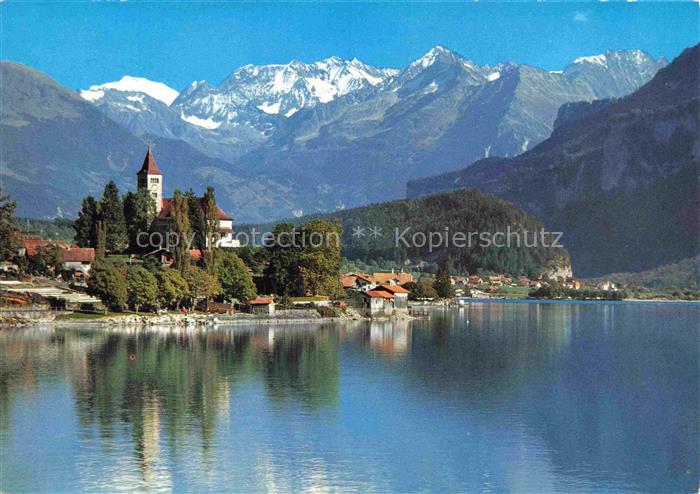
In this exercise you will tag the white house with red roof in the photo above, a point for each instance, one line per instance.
(151, 178)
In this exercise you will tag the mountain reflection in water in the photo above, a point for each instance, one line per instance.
(524, 397)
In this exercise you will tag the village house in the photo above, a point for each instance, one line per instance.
(150, 178)
(72, 257)
(364, 282)
(262, 305)
(535, 284)
(523, 281)
(495, 280)
(606, 286)
(572, 283)
(78, 259)
(374, 303)
(400, 300)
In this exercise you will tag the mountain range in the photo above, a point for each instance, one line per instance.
(305, 126)
(618, 177)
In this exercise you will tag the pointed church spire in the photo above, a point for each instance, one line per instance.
(149, 164)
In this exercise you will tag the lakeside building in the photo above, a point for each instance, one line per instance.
(364, 282)
(150, 178)
(73, 258)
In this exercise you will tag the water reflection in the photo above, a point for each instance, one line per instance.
(484, 397)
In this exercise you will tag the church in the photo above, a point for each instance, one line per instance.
(150, 177)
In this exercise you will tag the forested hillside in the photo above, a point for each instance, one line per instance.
(401, 230)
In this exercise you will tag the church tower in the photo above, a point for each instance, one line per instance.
(150, 178)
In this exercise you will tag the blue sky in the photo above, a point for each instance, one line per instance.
(80, 44)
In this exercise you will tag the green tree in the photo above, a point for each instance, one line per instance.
(201, 284)
(112, 214)
(172, 287)
(101, 242)
(422, 289)
(234, 278)
(196, 217)
(442, 284)
(9, 233)
(85, 225)
(320, 261)
(139, 212)
(109, 284)
(142, 287)
(181, 228)
(281, 276)
(47, 261)
(211, 229)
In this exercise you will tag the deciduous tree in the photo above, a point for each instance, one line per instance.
(142, 287)
(172, 287)
(320, 261)
(234, 278)
(201, 284)
(109, 284)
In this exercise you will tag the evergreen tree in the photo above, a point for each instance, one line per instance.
(10, 239)
(112, 214)
(142, 287)
(196, 216)
(181, 227)
(139, 212)
(85, 225)
(442, 284)
(234, 278)
(281, 276)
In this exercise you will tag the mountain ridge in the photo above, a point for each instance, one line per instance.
(614, 178)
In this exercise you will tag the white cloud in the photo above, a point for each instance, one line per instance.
(582, 16)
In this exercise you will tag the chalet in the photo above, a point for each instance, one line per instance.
(523, 281)
(392, 278)
(400, 301)
(262, 306)
(374, 303)
(31, 245)
(606, 286)
(572, 283)
(495, 280)
(150, 177)
(78, 259)
(364, 282)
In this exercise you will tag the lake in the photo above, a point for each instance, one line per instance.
(505, 397)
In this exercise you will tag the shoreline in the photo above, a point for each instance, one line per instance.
(13, 319)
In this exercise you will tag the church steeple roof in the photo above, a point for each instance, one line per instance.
(149, 164)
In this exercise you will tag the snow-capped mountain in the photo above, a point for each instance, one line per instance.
(309, 122)
(128, 84)
(274, 90)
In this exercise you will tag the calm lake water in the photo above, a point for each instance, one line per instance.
(485, 398)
